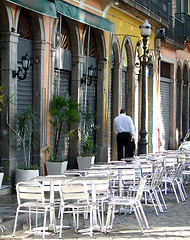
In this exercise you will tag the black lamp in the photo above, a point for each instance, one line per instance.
(90, 77)
(145, 33)
(22, 72)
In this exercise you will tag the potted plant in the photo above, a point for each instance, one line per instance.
(24, 130)
(1, 168)
(1, 176)
(63, 111)
(88, 146)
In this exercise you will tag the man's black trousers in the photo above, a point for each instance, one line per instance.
(122, 141)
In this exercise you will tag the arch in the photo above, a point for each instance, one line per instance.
(99, 41)
(137, 99)
(114, 93)
(116, 49)
(7, 19)
(73, 31)
(179, 81)
(92, 97)
(185, 100)
(128, 75)
(70, 76)
(185, 72)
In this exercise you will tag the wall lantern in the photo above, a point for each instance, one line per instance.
(22, 72)
(91, 76)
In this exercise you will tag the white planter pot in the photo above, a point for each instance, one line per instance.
(1, 178)
(23, 175)
(56, 168)
(85, 162)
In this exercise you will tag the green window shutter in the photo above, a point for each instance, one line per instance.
(185, 6)
(178, 6)
(170, 8)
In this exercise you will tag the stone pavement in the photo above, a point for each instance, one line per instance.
(172, 224)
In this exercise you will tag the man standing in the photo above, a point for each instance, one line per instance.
(125, 130)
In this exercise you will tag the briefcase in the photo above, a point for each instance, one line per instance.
(131, 149)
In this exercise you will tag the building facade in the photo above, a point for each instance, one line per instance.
(65, 39)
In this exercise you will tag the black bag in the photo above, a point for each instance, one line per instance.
(131, 149)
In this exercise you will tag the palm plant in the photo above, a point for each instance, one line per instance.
(63, 111)
(24, 130)
(88, 147)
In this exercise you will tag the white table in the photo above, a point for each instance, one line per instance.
(52, 180)
(93, 180)
(119, 169)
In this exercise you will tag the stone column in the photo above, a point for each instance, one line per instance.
(77, 64)
(101, 154)
(116, 103)
(8, 138)
(38, 98)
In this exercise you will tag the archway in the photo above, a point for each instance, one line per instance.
(92, 93)
(185, 112)
(128, 89)
(178, 104)
(114, 95)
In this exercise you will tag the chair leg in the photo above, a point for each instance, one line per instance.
(15, 224)
(36, 217)
(138, 220)
(45, 216)
(158, 201)
(99, 218)
(140, 216)
(102, 213)
(113, 216)
(166, 188)
(74, 221)
(144, 216)
(61, 221)
(153, 203)
(183, 188)
(108, 218)
(91, 222)
(163, 200)
(29, 219)
(175, 192)
(180, 191)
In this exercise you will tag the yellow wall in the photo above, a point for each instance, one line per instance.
(127, 25)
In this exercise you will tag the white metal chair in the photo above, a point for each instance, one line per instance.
(170, 162)
(176, 179)
(31, 199)
(103, 192)
(75, 200)
(146, 168)
(134, 202)
(151, 189)
(125, 178)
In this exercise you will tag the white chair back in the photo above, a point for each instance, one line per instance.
(75, 191)
(30, 192)
(140, 188)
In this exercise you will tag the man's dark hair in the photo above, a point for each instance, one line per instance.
(122, 111)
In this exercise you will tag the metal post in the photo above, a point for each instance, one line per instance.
(143, 142)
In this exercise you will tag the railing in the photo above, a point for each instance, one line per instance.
(185, 18)
(159, 7)
(175, 30)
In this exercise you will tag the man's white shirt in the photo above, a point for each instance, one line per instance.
(124, 123)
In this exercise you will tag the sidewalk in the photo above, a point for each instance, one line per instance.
(172, 224)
